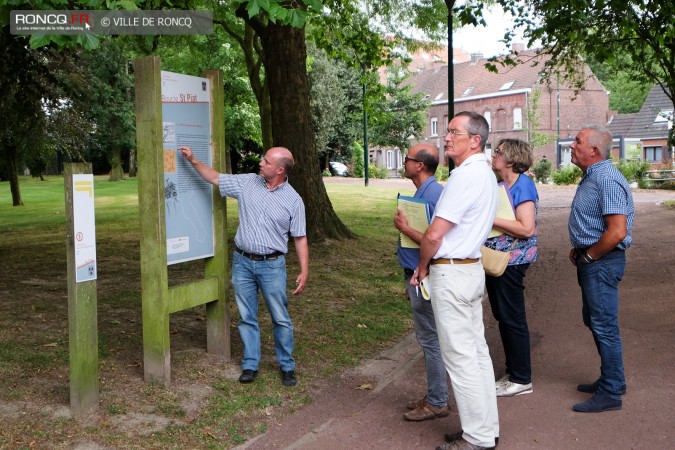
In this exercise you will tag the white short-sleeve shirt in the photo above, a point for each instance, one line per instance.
(469, 201)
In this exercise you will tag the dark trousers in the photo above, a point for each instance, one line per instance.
(507, 300)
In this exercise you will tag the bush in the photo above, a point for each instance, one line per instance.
(442, 173)
(250, 164)
(377, 172)
(633, 170)
(542, 171)
(326, 173)
(567, 175)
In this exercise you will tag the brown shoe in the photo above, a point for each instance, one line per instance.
(461, 444)
(426, 412)
(412, 404)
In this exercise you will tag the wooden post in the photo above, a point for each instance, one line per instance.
(217, 312)
(82, 319)
(154, 273)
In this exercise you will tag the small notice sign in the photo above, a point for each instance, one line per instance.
(84, 235)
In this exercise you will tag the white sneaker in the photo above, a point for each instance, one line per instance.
(502, 381)
(509, 389)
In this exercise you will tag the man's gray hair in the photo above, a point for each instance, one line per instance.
(601, 138)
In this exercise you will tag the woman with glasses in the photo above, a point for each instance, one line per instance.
(510, 160)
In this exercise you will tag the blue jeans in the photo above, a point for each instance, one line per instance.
(425, 332)
(507, 301)
(599, 283)
(268, 276)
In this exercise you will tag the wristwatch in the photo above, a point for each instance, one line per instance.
(587, 258)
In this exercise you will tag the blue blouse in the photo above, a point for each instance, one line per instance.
(525, 250)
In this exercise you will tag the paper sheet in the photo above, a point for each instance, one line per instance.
(417, 212)
(505, 209)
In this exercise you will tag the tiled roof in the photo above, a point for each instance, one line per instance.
(644, 124)
(619, 123)
(473, 78)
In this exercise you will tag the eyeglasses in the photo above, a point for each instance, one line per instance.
(497, 152)
(454, 133)
(406, 159)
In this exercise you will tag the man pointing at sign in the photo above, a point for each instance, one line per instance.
(270, 211)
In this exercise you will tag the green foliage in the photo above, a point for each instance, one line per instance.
(442, 173)
(567, 175)
(399, 115)
(638, 32)
(326, 173)
(357, 160)
(249, 164)
(633, 170)
(375, 171)
(537, 138)
(336, 105)
(627, 89)
(542, 171)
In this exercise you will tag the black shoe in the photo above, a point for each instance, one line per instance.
(288, 378)
(598, 403)
(248, 375)
(593, 388)
(449, 438)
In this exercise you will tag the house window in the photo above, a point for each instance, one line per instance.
(517, 119)
(488, 117)
(390, 159)
(500, 120)
(434, 126)
(653, 154)
(664, 116)
(506, 86)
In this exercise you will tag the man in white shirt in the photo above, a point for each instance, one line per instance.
(450, 256)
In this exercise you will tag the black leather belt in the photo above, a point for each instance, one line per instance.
(254, 257)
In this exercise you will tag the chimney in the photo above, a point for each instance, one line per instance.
(517, 47)
(475, 57)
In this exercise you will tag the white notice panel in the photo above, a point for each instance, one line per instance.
(84, 227)
(186, 111)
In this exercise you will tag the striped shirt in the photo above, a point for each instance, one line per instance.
(266, 217)
(602, 191)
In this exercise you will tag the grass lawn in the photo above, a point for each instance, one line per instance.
(352, 308)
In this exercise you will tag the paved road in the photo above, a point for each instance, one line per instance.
(343, 416)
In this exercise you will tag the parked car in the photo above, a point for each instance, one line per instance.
(338, 169)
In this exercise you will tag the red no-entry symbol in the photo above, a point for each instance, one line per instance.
(79, 236)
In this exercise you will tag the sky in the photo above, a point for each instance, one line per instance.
(485, 39)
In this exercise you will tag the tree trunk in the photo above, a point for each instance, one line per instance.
(258, 84)
(117, 169)
(132, 162)
(13, 174)
(286, 73)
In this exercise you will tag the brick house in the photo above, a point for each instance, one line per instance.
(504, 98)
(644, 135)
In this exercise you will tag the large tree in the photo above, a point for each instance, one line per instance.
(285, 58)
(31, 87)
(335, 101)
(400, 115)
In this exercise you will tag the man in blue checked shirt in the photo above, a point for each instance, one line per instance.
(600, 225)
(270, 211)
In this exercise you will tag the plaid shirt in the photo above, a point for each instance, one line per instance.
(602, 191)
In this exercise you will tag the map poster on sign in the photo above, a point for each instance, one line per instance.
(84, 227)
(186, 121)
